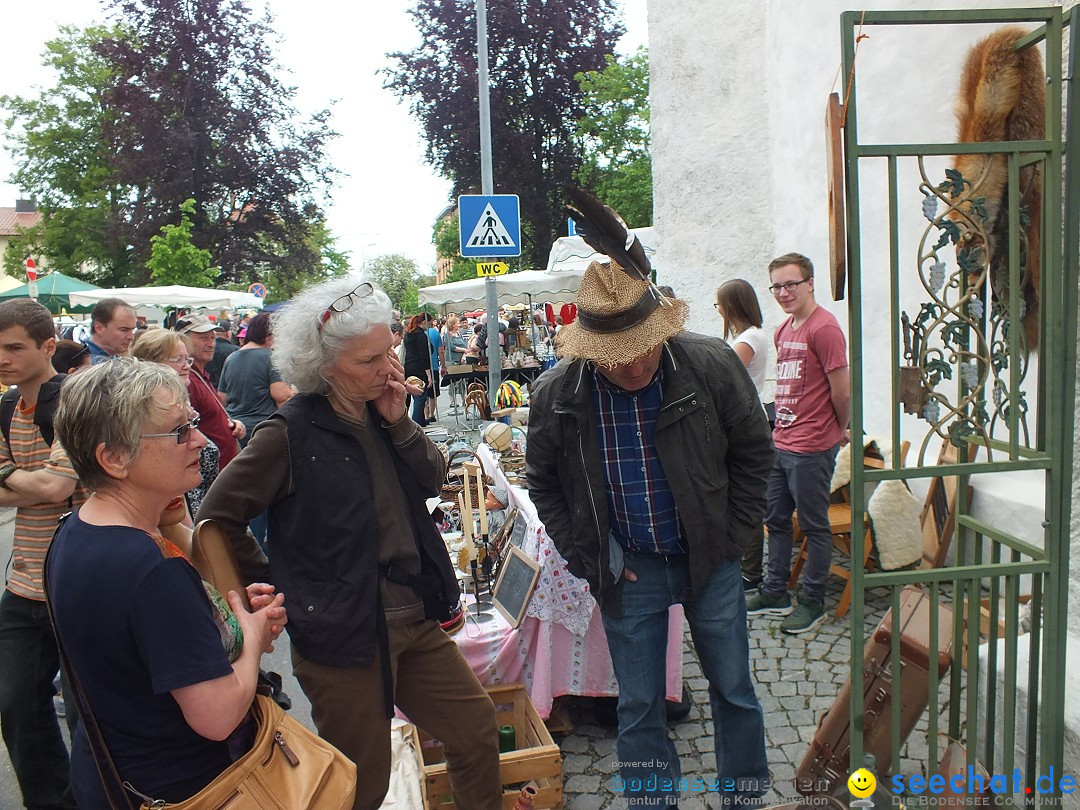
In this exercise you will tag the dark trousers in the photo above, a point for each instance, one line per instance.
(800, 481)
(29, 661)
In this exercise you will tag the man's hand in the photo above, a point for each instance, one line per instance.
(237, 428)
(629, 575)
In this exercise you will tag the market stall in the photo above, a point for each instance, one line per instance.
(514, 288)
(171, 296)
(560, 647)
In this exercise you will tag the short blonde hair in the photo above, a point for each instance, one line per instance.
(111, 404)
(156, 345)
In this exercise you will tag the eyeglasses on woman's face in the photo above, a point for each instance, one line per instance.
(182, 433)
(344, 302)
(789, 286)
(184, 360)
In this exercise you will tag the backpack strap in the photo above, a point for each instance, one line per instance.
(7, 412)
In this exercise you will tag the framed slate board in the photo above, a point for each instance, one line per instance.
(521, 526)
(514, 588)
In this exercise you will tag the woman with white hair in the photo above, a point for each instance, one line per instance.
(343, 474)
(166, 665)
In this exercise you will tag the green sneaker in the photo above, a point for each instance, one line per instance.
(808, 615)
(763, 603)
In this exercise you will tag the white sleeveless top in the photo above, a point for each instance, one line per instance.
(756, 339)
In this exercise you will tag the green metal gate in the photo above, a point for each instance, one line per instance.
(972, 389)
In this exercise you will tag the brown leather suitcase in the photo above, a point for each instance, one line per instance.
(825, 764)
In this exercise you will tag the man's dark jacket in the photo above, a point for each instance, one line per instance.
(712, 439)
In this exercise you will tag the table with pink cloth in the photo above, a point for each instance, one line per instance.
(560, 647)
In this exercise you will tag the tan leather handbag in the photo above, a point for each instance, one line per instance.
(288, 768)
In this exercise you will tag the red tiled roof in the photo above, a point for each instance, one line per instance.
(9, 220)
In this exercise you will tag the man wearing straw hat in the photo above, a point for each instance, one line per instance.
(648, 458)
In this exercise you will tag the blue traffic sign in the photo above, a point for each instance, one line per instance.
(489, 225)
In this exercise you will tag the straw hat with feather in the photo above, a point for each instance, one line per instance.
(620, 318)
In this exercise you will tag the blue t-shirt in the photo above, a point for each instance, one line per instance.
(435, 339)
(136, 625)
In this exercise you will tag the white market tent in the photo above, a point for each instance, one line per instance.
(571, 254)
(173, 295)
(567, 262)
(513, 288)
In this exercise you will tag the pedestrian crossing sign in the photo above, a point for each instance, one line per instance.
(489, 225)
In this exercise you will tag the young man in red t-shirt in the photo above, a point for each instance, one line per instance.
(813, 405)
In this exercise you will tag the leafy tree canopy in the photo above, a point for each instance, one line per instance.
(396, 274)
(61, 161)
(536, 47)
(177, 99)
(175, 260)
(614, 131)
(447, 244)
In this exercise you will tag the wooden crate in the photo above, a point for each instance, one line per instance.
(536, 758)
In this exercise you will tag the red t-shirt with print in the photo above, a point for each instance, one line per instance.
(805, 419)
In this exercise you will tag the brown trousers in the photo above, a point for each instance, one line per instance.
(435, 688)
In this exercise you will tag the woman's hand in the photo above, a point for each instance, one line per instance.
(258, 624)
(391, 402)
(261, 595)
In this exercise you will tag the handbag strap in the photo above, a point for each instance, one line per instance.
(115, 791)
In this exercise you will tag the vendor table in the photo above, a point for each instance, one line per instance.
(560, 648)
(521, 376)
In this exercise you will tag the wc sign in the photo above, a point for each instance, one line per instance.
(492, 269)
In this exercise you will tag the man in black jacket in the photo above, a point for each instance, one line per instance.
(647, 460)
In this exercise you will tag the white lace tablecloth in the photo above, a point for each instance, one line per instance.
(560, 596)
(560, 648)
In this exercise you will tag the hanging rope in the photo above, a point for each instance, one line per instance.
(859, 37)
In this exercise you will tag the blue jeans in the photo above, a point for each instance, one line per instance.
(800, 481)
(418, 408)
(648, 765)
(29, 661)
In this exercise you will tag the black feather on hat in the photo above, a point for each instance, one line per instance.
(605, 232)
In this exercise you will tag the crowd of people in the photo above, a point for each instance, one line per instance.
(651, 461)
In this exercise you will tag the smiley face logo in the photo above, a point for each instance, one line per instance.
(862, 783)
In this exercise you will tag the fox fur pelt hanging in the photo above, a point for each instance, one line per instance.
(1003, 98)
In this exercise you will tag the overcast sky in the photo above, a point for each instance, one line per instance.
(334, 48)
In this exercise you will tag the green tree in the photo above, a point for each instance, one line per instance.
(179, 99)
(447, 245)
(398, 277)
(536, 47)
(282, 285)
(175, 260)
(614, 133)
(57, 141)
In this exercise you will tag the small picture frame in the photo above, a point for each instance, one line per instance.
(521, 528)
(502, 536)
(515, 585)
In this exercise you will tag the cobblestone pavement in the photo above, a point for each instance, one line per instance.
(797, 679)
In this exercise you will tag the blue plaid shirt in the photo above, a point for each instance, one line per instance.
(640, 502)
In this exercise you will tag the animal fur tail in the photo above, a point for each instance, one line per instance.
(1003, 98)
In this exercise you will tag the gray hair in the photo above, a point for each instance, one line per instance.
(302, 352)
(111, 403)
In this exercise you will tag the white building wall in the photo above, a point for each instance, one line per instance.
(738, 94)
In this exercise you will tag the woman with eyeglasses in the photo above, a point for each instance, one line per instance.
(173, 350)
(166, 665)
(344, 475)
